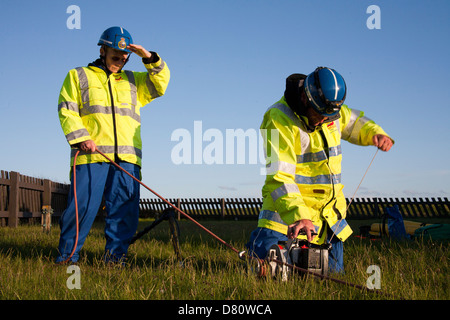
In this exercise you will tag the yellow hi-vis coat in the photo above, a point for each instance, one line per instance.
(303, 178)
(93, 106)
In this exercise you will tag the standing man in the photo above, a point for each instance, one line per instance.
(99, 107)
(303, 189)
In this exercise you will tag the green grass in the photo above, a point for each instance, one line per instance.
(209, 270)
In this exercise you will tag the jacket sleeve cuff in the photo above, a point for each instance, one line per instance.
(154, 58)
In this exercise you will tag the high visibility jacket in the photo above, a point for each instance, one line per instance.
(303, 178)
(106, 109)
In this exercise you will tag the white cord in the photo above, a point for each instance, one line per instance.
(353, 197)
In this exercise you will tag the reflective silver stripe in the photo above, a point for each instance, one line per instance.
(348, 129)
(150, 85)
(158, 69)
(319, 156)
(354, 137)
(339, 226)
(281, 166)
(305, 141)
(338, 126)
(151, 88)
(87, 110)
(92, 109)
(304, 137)
(283, 190)
(84, 85)
(77, 134)
(272, 216)
(130, 150)
(110, 42)
(110, 149)
(72, 106)
(287, 111)
(133, 89)
(320, 179)
(129, 113)
(275, 217)
(312, 157)
(108, 110)
(335, 151)
(351, 131)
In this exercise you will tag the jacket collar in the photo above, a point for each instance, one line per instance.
(99, 63)
(303, 118)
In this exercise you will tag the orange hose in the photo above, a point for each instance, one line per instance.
(115, 164)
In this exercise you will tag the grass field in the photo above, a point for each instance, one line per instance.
(410, 270)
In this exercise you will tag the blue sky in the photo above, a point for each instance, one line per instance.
(229, 61)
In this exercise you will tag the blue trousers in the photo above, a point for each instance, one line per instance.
(97, 181)
(261, 239)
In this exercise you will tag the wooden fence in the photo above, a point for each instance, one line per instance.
(216, 208)
(24, 198)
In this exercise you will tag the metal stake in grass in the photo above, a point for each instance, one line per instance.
(168, 214)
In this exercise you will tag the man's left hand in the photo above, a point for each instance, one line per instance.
(305, 225)
(382, 142)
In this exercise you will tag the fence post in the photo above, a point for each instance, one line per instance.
(179, 207)
(222, 208)
(46, 220)
(47, 195)
(376, 209)
(13, 220)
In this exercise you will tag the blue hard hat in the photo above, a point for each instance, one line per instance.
(117, 38)
(325, 90)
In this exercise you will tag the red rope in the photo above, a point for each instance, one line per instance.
(202, 227)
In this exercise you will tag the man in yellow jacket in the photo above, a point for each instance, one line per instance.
(99, 107)
(303, 195)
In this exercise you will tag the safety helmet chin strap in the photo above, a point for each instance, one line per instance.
(128, 58)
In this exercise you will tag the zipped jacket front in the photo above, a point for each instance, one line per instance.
(106, 109)
(303, 178)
